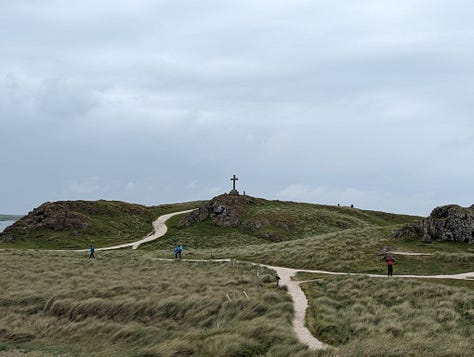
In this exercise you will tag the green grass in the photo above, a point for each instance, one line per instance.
(127, 303)
(373, 317)
(112, 223)
(354, 250)
(276, 221)
(202, 236)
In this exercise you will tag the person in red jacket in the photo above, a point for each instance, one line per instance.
(390, 260)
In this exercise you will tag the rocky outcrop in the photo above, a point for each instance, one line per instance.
(230, 210)
(57, 216)
(223, 211)
(448, 223)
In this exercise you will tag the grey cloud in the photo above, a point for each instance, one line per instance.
(161, 101)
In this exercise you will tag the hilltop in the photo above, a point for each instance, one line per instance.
(239, 220)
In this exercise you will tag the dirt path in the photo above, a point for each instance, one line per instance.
(159, 230)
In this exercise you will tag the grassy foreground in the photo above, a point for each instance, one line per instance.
(391, 317)
(127, 303)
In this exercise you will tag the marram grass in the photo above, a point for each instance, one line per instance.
(127, 303)
(373, 317)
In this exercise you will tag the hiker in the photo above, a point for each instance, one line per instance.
(180, 250)
(390, 260)
(91, 251)
(176, 252)
(277, 278)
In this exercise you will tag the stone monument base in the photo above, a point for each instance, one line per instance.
(234, 192)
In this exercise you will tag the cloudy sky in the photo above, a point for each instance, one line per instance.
(362, 102)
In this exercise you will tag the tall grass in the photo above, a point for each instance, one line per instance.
(354, 250)
(373, 317)
(127, 303)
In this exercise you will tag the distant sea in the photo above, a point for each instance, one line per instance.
(5, 224)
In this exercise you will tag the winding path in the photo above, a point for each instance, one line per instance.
(159, 230)
(285, 274)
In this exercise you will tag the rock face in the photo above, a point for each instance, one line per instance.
(57, 216)
(224, 211)
(448, 223)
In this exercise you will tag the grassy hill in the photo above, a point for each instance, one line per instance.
(275, 221)
(110, 223)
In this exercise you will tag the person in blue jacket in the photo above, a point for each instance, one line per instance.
(91, 251)
(180, 250)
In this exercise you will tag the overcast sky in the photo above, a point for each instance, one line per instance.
(362, 102)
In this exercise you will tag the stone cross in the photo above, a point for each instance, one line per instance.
(234, 178)
(234, 191)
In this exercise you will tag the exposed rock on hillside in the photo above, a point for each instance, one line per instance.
(224, 211)
(238, 211)
(448, 223)
(57, 216)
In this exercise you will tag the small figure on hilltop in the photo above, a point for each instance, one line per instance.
(390, 260)
(91, 252)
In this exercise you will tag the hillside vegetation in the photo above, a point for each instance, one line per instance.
(126, 303)
(262, 222)
(77, 224)
(374, 317)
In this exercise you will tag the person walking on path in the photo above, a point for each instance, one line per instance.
(91, 251)
(277, 278)
(176, 252)
(180, 250)
(390, 260)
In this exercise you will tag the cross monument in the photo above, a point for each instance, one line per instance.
(234, 191)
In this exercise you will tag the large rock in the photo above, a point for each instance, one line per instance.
(57, 216)
(448, 223)
(224, 211)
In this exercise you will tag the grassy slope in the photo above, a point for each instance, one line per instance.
(356, 238)
(62, 303)
(285, 220)
(347, 251)
(112, 223)
(374, 317)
